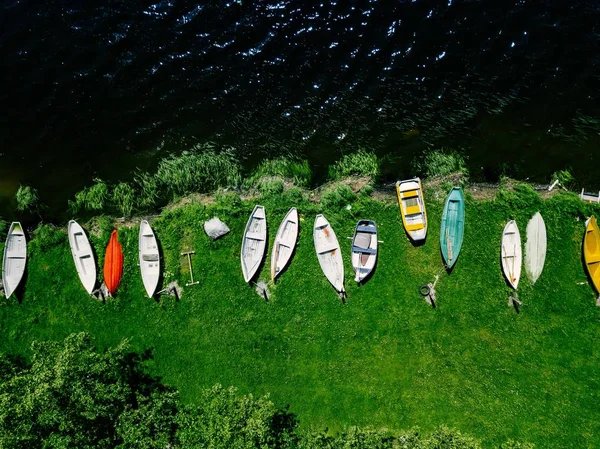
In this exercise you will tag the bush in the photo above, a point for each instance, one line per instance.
(521, 198)
(271, 187)
(228, 202)
(440, 163)
(47, 236)
(290, 169)
(147, 186)
(91, 198)
(123, 198)
(361, 163)
(198, 170)
(565, 178)
(568, 203)
(4, 225)
(338, 197)
(27, 199)
(226, 420)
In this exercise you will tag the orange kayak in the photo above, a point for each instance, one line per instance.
(113, 263)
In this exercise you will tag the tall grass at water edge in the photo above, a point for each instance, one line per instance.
(27, 199)
(362, 163)
(204, 169)
(201, 169)
(291, 169)
(441, 163)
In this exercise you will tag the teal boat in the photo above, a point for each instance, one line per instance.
(453, 226)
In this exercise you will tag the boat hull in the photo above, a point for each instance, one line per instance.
(591, 251)
(511, 254)
(328, 252)
(364, 249)
(412, 208)
(285, 242)
(83, 256)
(535, 247)
(149, 258)
(254, 243)
(113, 263)
(14, 259)
(453, 227)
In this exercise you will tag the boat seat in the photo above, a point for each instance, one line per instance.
(414, 227)
(409, 194)
(150, 257)
(370, 229)
(357, 249)
(328, 249)
(15, 257)
(592, 258)
(254, 236)
(413, 210)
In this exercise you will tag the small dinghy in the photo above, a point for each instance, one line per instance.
(591, 252)
(83, 256)
(14, 259)
(329, 254)
(364, 249)
(453, 227)
(412, 208)
(535, 248)
(254, 243)
(511, 254)
(285, 242)
(149, 258)
(113, 264)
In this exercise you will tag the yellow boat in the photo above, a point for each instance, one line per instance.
(412, 208)
(591, 252)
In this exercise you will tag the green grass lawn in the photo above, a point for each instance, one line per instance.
(385, 358)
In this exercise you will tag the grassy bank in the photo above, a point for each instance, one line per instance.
(385, 358)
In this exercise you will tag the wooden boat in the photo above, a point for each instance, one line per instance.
(83, 256)
(364, 249)
(113, 263)
(591, 252)
(511, 254)
(149, 257)
(14, 258)
(254, 243)
(285, 242)
(453, 226)
(328, 253)
(412, 208)
(535, 247)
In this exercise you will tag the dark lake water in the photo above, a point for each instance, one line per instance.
(100, 88)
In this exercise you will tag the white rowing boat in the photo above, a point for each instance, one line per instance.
(83, 256)
(14, 259)
(328, 253)
(285, 242)
(149, 258)
(254, 243)
(535, 248)
(511, 254)
(364, 249)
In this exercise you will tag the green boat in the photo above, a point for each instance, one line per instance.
(453, 226)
